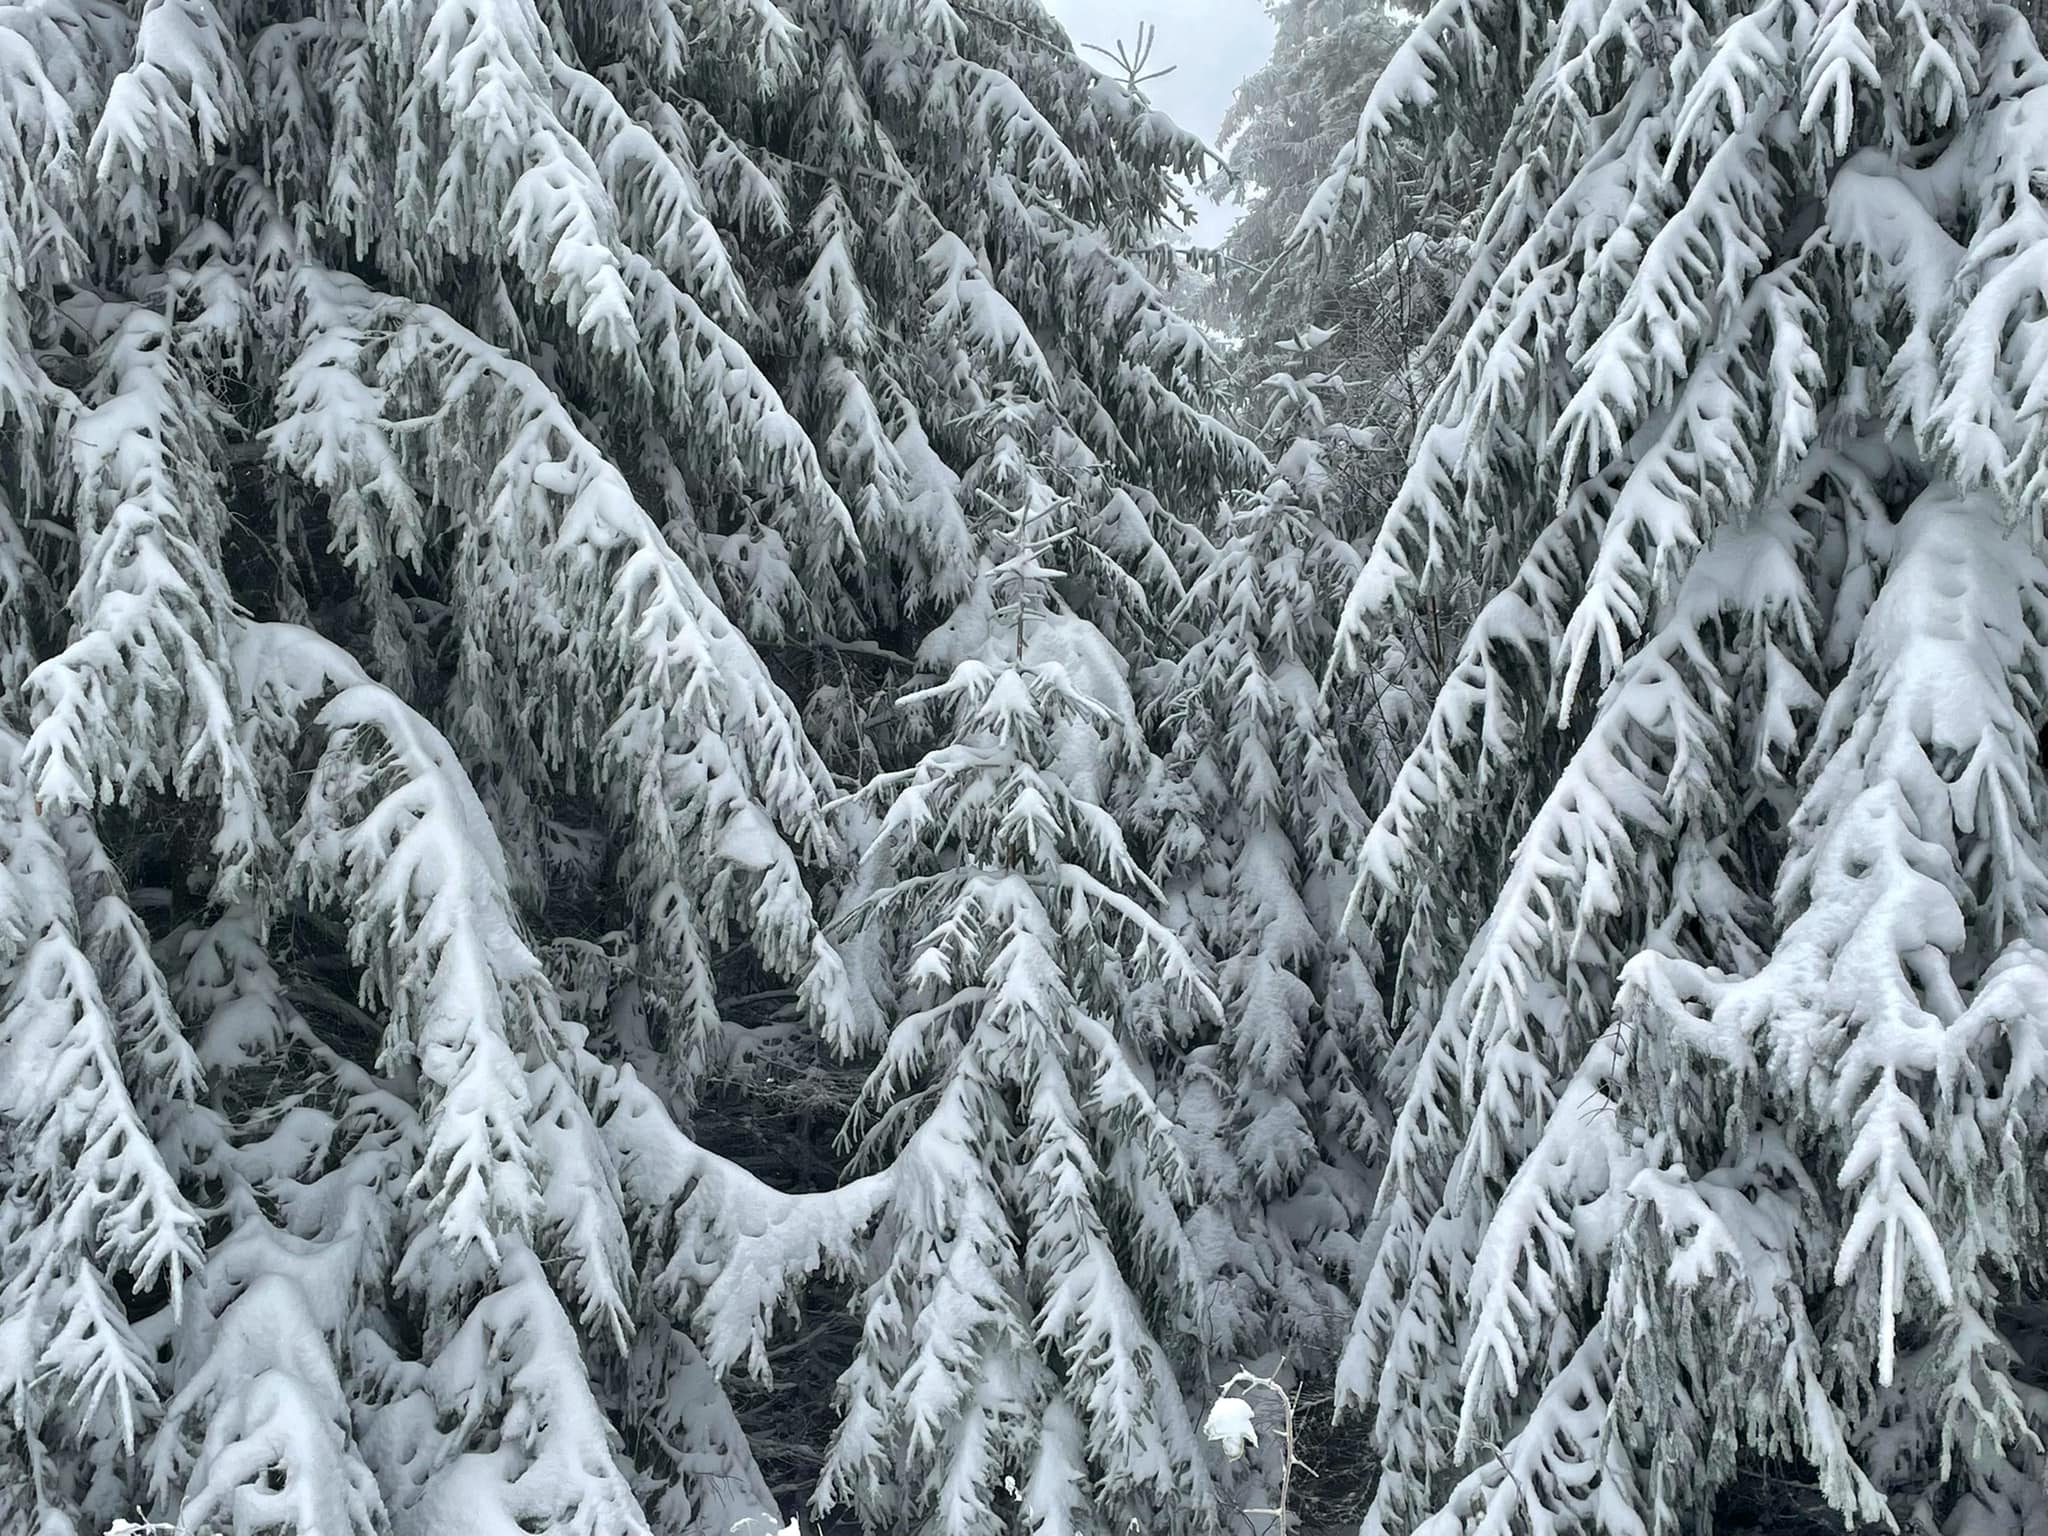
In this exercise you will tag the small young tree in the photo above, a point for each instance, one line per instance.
(1029, 1285)
(1263, 846)
(1259, 833)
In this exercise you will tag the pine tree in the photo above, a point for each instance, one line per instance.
(1028, 1292)
(1338, 347)
(1260, 835)
(449, 449)
(1716, 879)
(1338, 308)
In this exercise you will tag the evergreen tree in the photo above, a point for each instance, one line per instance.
(1260, 834)
(1716, 878)
(1029, 1285)
(1338, 307)
(1292, 115)
(1338, 347)
(1261, 844)
(443, 442)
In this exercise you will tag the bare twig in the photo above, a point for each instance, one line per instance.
(1132, 59)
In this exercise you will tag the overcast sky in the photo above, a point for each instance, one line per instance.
(1213, 44)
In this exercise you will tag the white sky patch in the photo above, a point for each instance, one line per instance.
(1212, 44)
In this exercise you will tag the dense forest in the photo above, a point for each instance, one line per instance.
(729, 805)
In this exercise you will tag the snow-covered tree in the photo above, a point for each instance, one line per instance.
(93, 1064)
(1289, 120)
(1716, 881)
(1262, 841)
(1338, 337)
(1259, 825)
(1029, 1286)
(441, 444)
(1337, 347)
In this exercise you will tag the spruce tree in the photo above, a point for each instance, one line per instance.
(1338, 347)
(1292, 115)
(1260, 822)
(1716, 878)
(1029, 1288)
(449, 451)
(1261, 842)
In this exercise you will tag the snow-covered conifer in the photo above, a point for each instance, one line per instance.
(440, 444)
(1256, 815)
(1263, 848)
(1338, 347)
(93, 1064)
(301, 1155)
(1029, 1287)
(1286, 125)
(1716, 878)
(1338, 340)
